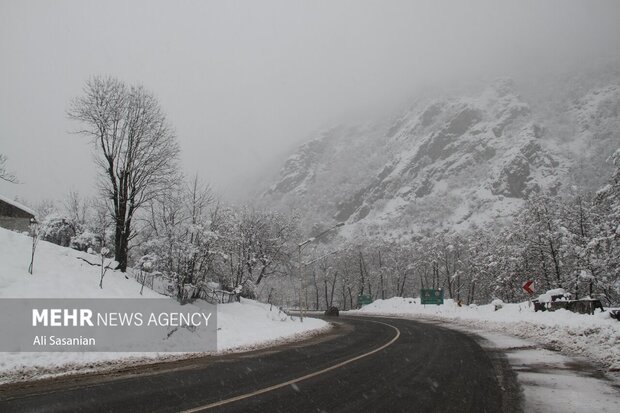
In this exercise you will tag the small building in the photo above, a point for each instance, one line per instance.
(15, 216)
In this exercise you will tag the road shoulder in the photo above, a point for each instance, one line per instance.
(538, 378)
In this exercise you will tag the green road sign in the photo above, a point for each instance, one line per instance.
(363, 300)
(431, 296)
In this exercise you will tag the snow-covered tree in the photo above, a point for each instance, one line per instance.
(58, 229)
(605, 247)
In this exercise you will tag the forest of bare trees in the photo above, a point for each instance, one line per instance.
(189, 238)
(569, 241)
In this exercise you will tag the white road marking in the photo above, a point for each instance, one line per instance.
(298, 379)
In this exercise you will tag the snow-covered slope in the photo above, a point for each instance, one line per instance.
(58, 273)
(455, 160)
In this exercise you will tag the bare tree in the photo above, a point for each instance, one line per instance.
(4, 174)
(76, 207)
(136, 150)
(45, 208)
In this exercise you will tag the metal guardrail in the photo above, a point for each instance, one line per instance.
(216, 296)
(162, 284)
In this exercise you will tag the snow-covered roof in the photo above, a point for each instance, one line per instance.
(17, 205)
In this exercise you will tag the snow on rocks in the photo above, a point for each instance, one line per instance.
(497, 304)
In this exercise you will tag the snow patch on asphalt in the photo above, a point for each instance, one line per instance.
(552, 382)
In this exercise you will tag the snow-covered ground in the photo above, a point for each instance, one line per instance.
(551, 382)
(59, 273)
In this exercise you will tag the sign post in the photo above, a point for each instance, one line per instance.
(362, 300)
(527, 287)
(431, 296)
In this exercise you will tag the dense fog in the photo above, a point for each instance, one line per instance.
(243, 83)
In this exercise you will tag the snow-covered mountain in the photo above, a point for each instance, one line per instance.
(456, 160)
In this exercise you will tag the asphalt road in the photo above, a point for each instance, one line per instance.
(364, 364)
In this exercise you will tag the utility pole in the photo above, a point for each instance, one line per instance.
(301, 276)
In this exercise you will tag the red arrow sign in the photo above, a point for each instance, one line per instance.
(526, 287)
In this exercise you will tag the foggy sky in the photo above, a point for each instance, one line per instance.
(243, 82)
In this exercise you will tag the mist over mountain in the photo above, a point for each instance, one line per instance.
(457, 159)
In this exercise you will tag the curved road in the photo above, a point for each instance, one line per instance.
(364, 364)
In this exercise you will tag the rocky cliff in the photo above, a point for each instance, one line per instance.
(453, 161)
